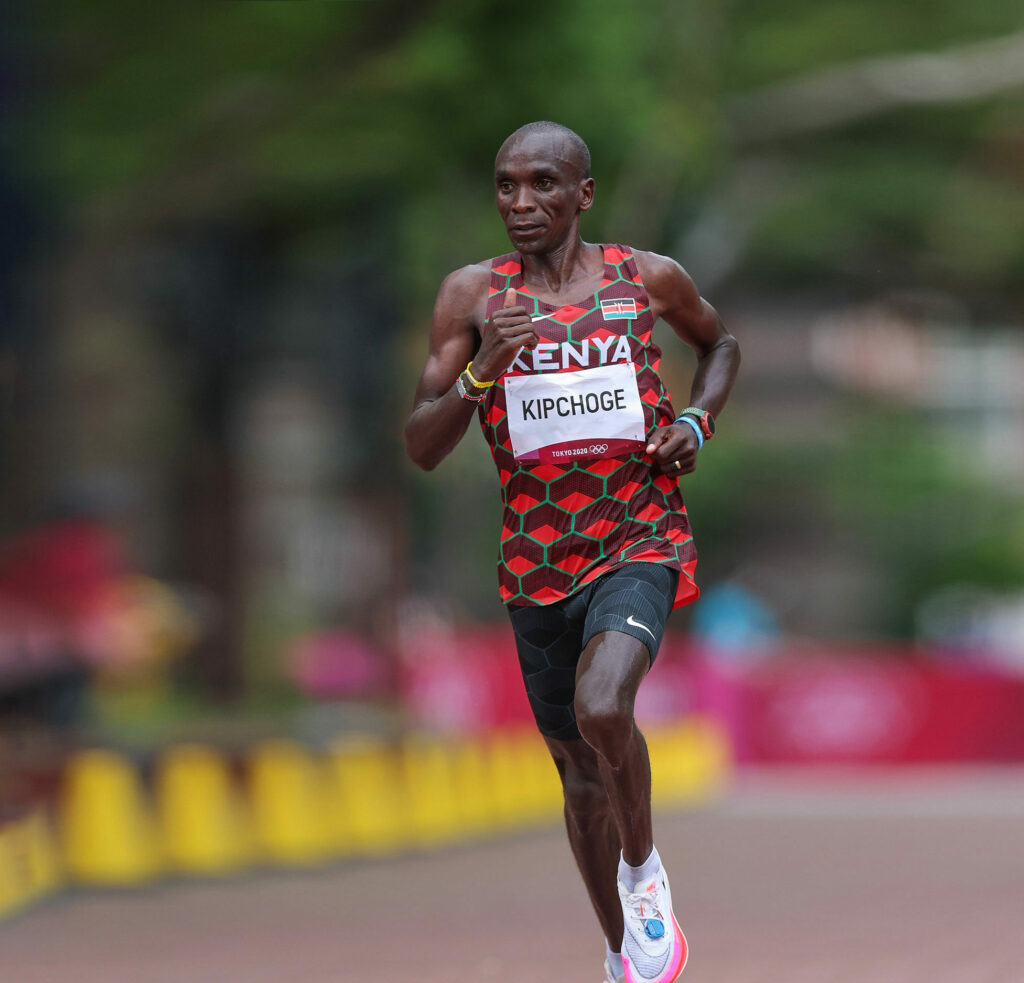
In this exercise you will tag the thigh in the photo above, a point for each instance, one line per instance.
(634, 600)
(549, 641)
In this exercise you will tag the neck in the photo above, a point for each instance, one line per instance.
(559, 267)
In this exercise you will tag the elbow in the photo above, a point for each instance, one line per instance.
(424, 463)
(418, 454)
(418, 457)
(728, 346)
(725, 349)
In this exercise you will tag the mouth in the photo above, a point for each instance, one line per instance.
(525, 230)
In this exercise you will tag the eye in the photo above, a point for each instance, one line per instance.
(505, 187)
(545, 184)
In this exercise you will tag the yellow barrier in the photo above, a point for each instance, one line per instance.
(362, 797)
(471, 789)
(690, 760)
(12, 895)
(507, 779)
(203, 823)
(107, 832)
(291, 803)
(44, 866)
(542, 788)
(29, 865)
(370, 813)
(429, 778)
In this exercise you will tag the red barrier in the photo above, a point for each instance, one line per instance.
(822, 704)
(465, 682)
(857, 706)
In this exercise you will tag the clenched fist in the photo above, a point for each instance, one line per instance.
(505, 332)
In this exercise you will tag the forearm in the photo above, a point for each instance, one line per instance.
(435, 428)
(715, 375)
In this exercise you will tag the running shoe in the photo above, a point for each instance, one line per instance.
(609, 977)
(653, 945)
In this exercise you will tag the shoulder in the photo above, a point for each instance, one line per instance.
(661, 271)
(466, 280)
(463, 289)
(668, 284)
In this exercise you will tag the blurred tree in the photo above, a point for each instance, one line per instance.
(266, 180)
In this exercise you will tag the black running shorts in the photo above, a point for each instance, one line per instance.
(635, 599)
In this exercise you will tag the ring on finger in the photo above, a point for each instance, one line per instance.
(678, 466)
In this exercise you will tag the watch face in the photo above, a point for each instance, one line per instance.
(709, 423)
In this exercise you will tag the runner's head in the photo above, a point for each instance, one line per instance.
(542, 183)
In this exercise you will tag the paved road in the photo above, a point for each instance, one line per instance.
(894, 877)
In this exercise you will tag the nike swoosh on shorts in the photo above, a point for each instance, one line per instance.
(636, 624)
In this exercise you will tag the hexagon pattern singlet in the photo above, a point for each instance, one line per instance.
(565, 525)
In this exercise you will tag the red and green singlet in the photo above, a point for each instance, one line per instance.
(569, 521)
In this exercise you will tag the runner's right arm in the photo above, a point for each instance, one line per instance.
(440, 416)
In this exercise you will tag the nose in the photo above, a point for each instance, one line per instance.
(522, 200)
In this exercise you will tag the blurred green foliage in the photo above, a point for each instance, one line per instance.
(313, 106)
(379, 121)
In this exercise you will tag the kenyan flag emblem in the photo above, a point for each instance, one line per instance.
(614, 310)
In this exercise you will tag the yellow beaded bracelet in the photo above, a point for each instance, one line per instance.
(472, 378)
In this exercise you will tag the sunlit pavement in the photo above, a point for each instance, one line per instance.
(888, 876)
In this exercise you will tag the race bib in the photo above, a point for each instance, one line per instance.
(556, 417)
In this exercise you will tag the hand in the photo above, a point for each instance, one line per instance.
(673, 449)
(505, 332)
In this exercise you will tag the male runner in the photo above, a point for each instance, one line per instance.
(551, 346)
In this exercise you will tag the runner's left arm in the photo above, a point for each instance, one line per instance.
(674, 297)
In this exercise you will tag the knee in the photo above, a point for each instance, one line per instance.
(606, 723)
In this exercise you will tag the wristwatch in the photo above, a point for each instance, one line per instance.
(704, 418)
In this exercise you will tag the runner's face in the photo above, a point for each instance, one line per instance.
(540, 192)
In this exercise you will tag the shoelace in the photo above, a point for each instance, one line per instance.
(650, 901)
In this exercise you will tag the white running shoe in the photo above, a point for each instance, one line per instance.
(609, 977)
(653, 945)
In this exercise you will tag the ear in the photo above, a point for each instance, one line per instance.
(585, 195)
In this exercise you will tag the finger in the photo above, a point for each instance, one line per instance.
(527, 340)
(504, 313)
(683, 464)
(672, 451)
(659, 438)
(510, 298)
(519, 332)
(674, 445)
(514, 344)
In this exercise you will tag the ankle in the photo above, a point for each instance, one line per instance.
(630, 876)
(614, 959)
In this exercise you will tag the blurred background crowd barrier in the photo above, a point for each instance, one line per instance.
(220, 242)
(194, 811)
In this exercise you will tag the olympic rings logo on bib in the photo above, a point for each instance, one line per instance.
(554, 417)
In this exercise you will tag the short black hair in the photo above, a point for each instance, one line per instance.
(580, 150)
